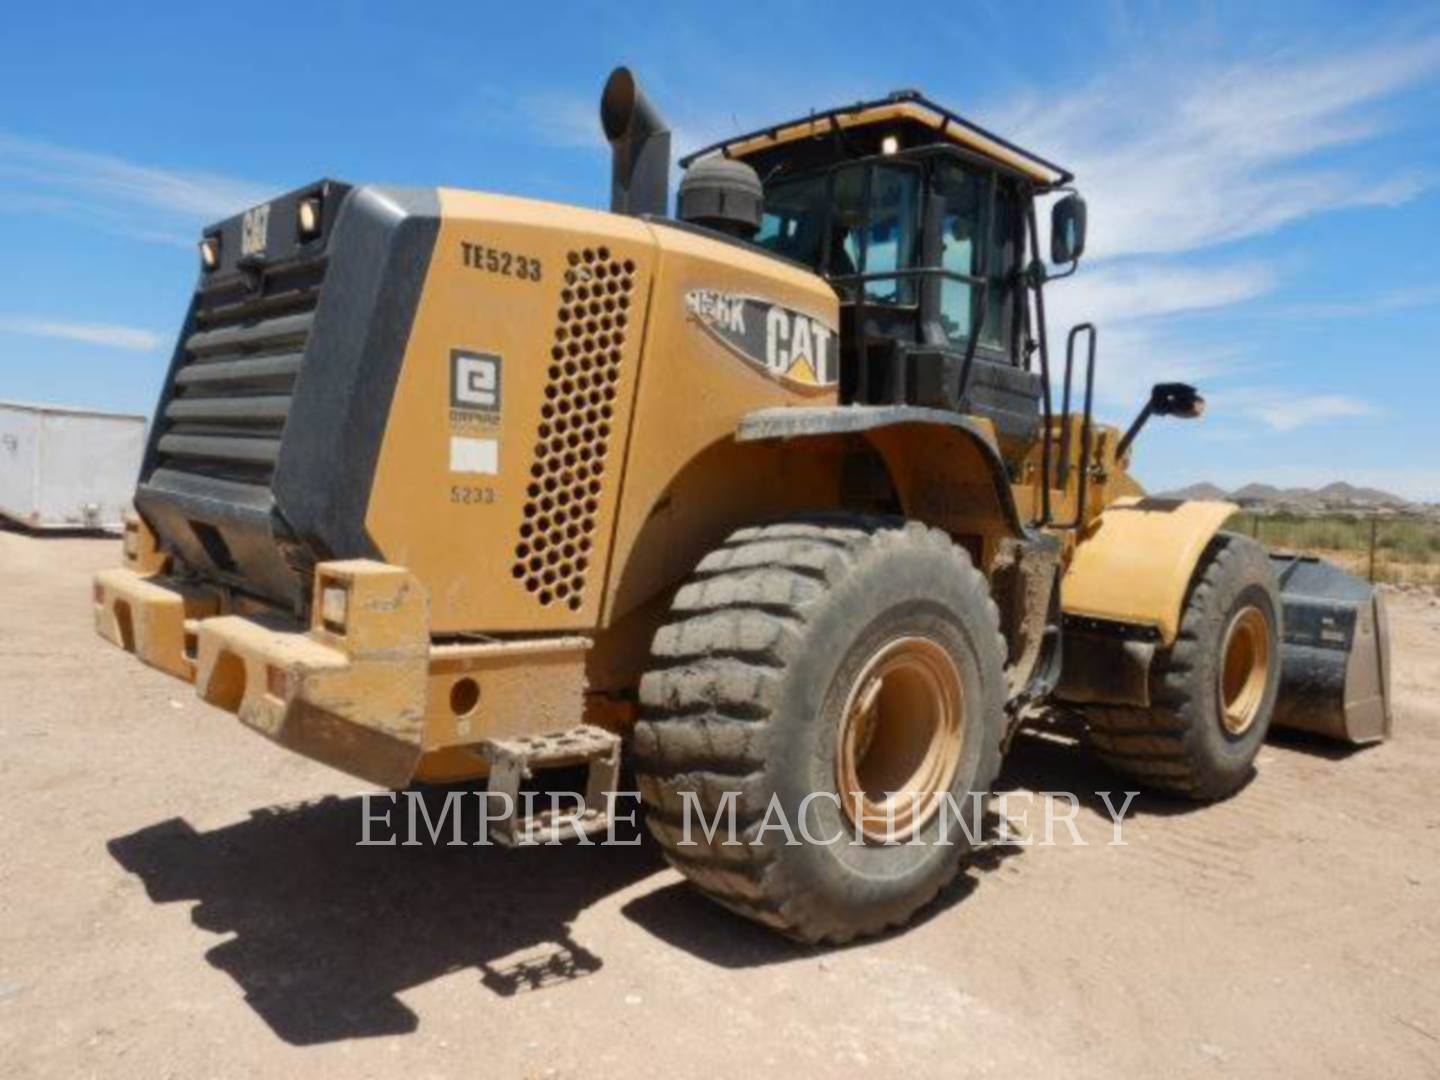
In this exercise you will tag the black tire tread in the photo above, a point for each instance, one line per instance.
(1153, 745)
(715, 680)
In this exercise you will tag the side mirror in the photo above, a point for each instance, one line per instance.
(1067, 230)
(1180, 400)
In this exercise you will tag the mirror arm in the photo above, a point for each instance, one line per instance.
(1038, 274)
(1166, 399)
(1134, 429)
(1063, 274)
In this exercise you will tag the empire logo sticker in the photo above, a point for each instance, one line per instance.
(475, 387)
(786, 344)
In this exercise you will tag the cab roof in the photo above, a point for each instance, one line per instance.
(910, 112)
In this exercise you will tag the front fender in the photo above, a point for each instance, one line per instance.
(1133, 566)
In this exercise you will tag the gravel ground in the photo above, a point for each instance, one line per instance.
(181, 898)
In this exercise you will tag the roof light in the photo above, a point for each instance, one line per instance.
(210, 253)
(307, 217)
(890, 144)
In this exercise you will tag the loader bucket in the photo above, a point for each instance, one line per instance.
(1335, 653)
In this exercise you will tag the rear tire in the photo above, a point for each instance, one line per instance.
(1213, 692)
(782, 642)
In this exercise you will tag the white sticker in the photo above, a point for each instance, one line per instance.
(475, 455)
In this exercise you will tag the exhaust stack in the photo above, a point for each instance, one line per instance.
(639, 147)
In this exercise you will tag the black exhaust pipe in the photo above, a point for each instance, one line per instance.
(639, 147)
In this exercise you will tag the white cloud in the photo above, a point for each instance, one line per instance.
(1201, 157)
(105, 334)
(115, 194)
(1146, 289)
(1197, 157)
(1284, 412)
(1135, 304)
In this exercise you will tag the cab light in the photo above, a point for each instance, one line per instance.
(308, 217)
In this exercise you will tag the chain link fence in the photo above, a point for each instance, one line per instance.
(1399, 549)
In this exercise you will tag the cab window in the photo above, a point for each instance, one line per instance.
(794, 219)
(965, 197)
(875, 229)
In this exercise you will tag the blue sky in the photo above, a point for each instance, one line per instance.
(1263, 179)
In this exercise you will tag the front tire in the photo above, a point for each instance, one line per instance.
(1213, 692)
(803, 659)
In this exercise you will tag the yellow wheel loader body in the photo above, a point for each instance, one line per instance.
(430, 465)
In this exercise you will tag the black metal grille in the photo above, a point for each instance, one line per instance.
(225, 411)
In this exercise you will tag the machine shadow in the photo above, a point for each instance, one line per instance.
(1046, 758)
(681, 916)
(1053, 758)
(325, 933)
(1304, 742)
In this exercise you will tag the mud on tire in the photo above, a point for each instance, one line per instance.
(747, 692)
(1182, 745)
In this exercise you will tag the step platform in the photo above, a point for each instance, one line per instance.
(516, 760)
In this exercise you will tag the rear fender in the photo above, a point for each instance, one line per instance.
(946, 469)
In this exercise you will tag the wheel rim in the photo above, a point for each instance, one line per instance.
(902, 733)
(1244, 669)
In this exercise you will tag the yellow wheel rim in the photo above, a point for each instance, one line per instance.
(900, 739)
(1244, 669)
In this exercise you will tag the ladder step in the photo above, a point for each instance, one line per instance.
(513, 761)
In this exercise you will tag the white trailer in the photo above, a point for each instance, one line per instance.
(63, 468)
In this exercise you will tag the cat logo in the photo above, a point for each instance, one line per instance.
(788, 345)
(254, 230)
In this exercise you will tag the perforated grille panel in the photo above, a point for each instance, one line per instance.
(557, 533)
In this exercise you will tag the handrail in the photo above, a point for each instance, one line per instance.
(1063, 472)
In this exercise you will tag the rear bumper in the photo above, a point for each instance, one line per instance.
(362, 688)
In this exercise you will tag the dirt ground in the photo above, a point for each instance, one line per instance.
(181, 898)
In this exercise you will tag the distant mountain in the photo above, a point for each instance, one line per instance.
(1257, 493)
(1343, 492)
(1338, 495)
(1197, 491)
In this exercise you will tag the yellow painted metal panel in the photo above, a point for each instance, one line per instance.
(459, 494)
(1135, 563)
(685, 483)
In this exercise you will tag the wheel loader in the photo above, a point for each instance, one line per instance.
(775, 494)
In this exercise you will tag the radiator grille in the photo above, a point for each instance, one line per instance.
(226, 408)
(573, 436)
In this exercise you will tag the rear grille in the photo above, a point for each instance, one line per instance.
(226, 408)
(573, 436)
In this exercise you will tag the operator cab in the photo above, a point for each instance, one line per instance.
(920, 220)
